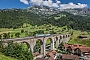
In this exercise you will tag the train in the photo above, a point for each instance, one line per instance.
(40, 35)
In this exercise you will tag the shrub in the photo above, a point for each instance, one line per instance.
(16, 50)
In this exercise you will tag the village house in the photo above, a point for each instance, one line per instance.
(69, 57)
(82, 51)
(72, 47)
(51, 55)
(82, 37)
(65, 46)
(77, 49)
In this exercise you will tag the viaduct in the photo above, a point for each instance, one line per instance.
(31, 41)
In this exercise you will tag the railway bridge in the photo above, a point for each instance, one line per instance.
(31, 41)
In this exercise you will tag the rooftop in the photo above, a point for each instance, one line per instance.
(71, 57)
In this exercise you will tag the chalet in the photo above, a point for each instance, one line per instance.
(65, 46)
(82, 51)
(72, 47)
(77, 49)
(51, 55)
(82, 37)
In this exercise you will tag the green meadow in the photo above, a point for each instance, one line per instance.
(3, 57)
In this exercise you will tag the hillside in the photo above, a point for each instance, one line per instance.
(72, 21)
(15, 18)
(75, 40)
(3, 57)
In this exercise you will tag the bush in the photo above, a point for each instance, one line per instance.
(17, 34)
(16, 50)
(1, 45)
(22, 31)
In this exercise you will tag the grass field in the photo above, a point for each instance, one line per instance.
(30, 28)
(59, 16)
(58, 30)
(75, 40)
(3, 57)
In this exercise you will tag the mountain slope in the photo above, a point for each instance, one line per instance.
(16, 18)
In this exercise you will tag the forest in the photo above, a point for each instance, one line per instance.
(15, 18)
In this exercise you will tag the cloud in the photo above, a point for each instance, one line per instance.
(24, 1)
(36, 2)
(71, 5)
(55, 4)
(47, 3)
(58, 2)
(51, 4)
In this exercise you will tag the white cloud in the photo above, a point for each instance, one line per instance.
(51, 4)
(47, 3)
(24, 1)
(72, 5)
(56, 4)
(36, 2)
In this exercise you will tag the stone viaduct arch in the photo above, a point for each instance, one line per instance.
(41, 45)
(51, 42)
(61, 39)
(56, 40)
(31, 41)
(28, 45)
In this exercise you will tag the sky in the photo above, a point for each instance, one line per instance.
(60, 4)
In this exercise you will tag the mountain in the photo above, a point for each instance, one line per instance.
(81, 11)
(44, 10)
(15, 18)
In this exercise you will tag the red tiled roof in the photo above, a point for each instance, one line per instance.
(48, 53)
(67, 56)
(36, 53)
(65, 45)
(54, 52)
(77, 46)
(74, 46)
(41, 59)
(85, 49)
(51, 55)
(50, 58)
